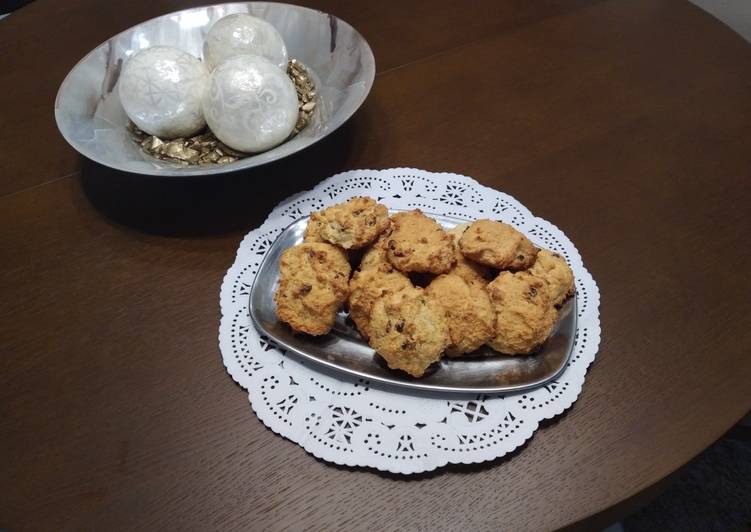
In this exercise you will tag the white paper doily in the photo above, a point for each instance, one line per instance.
(352, 421)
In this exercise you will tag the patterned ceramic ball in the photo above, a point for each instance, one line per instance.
(250, 104)
(161, 90)
(242, 34)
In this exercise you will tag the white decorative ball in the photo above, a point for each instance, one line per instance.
(242, 34)
(250, 105)
(161, 89)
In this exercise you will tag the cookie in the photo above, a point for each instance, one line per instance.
(372, 281)
(313, 229)
(408, 330)
(553, 268)
(313, 279)
(417, 243)
(497, 245)
(351, 225)
(466, 306)
(524, 313)
(375, 254)
(465, 268)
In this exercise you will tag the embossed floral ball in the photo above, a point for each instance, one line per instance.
(250, 104)
(242, 34)
(161, 89)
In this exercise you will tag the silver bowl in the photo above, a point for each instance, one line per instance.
(90, 117)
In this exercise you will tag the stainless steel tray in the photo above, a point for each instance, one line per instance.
(345, 350)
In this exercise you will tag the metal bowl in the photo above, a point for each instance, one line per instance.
(90, 117)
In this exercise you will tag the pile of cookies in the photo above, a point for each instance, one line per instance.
(418, 291)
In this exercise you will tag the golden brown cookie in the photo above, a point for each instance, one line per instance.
(373, 281)
(313, 229)
(466, 305)
(375, 254)
(497, 245)
(465, 268)
(524, 314)
(408, 330)
(553, 268)
(313, 280)
(351, 225)
(418, 244)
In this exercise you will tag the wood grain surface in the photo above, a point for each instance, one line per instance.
(627, 124)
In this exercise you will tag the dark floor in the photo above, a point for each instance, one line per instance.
(8, 6)
(713, 492)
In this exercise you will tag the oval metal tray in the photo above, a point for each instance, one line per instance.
(345, 350)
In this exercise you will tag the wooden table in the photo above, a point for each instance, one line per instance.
(626, 123)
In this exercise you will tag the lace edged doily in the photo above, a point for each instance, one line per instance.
(354, 422)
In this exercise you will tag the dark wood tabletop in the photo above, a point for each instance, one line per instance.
(625, 123)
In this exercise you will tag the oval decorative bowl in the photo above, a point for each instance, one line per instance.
(90, 117)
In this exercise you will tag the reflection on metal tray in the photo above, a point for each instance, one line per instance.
(345, 350)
